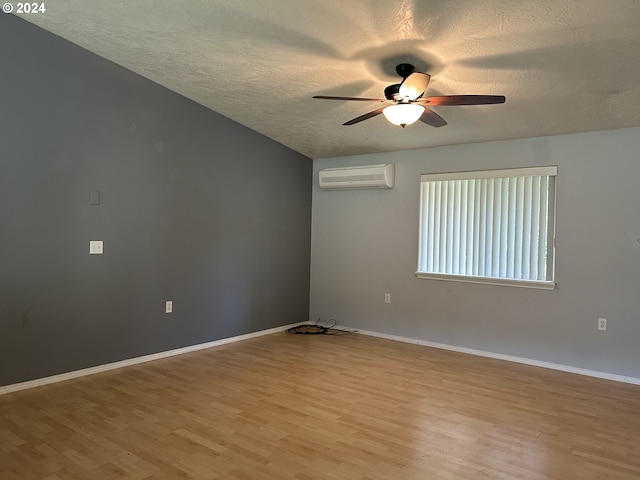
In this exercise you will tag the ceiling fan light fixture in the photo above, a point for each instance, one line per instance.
(403, 114)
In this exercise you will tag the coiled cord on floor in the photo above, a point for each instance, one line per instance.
(317, 329)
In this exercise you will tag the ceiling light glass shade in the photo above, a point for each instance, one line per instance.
(403, 114)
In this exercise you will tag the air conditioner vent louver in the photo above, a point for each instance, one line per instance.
(366, 176)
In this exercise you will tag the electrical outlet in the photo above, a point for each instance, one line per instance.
(602, 324)
(168, 306)
(387, 298)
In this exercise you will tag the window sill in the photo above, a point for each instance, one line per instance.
(507, 282)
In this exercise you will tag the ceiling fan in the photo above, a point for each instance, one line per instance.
(404, 103)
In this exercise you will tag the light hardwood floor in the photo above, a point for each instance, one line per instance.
(323, 407)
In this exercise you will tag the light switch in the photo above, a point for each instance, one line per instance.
(95, 247)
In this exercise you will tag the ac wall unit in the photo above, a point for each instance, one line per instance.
(365, 176)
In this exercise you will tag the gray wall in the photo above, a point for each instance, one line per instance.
(364, 243)
(194, 208)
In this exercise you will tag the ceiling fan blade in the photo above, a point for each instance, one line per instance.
(432, 118)
(414, 85)
(461, 100)
(358, 99)
(366, 116)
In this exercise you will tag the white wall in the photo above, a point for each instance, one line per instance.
(364, 244)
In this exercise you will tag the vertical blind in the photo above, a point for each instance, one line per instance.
(496, 224)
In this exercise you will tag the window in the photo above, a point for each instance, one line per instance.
(489, 226)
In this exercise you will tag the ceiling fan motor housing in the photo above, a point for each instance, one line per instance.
(391, 91)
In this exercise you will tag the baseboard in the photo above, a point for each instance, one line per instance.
(508, 358)
(134, 361)
(192, 348)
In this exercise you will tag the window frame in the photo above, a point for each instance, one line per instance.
(550, 171)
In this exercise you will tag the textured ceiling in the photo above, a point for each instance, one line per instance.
(564, 66)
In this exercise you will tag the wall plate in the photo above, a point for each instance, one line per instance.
(96, 247)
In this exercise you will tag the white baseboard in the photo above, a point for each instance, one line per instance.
(38, 382)
(508, 358)
(192, 348)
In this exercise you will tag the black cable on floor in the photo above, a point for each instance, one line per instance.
(316, 329)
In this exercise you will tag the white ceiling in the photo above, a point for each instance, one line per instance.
(564, 65)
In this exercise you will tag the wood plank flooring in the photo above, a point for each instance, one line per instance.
(323, 408)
